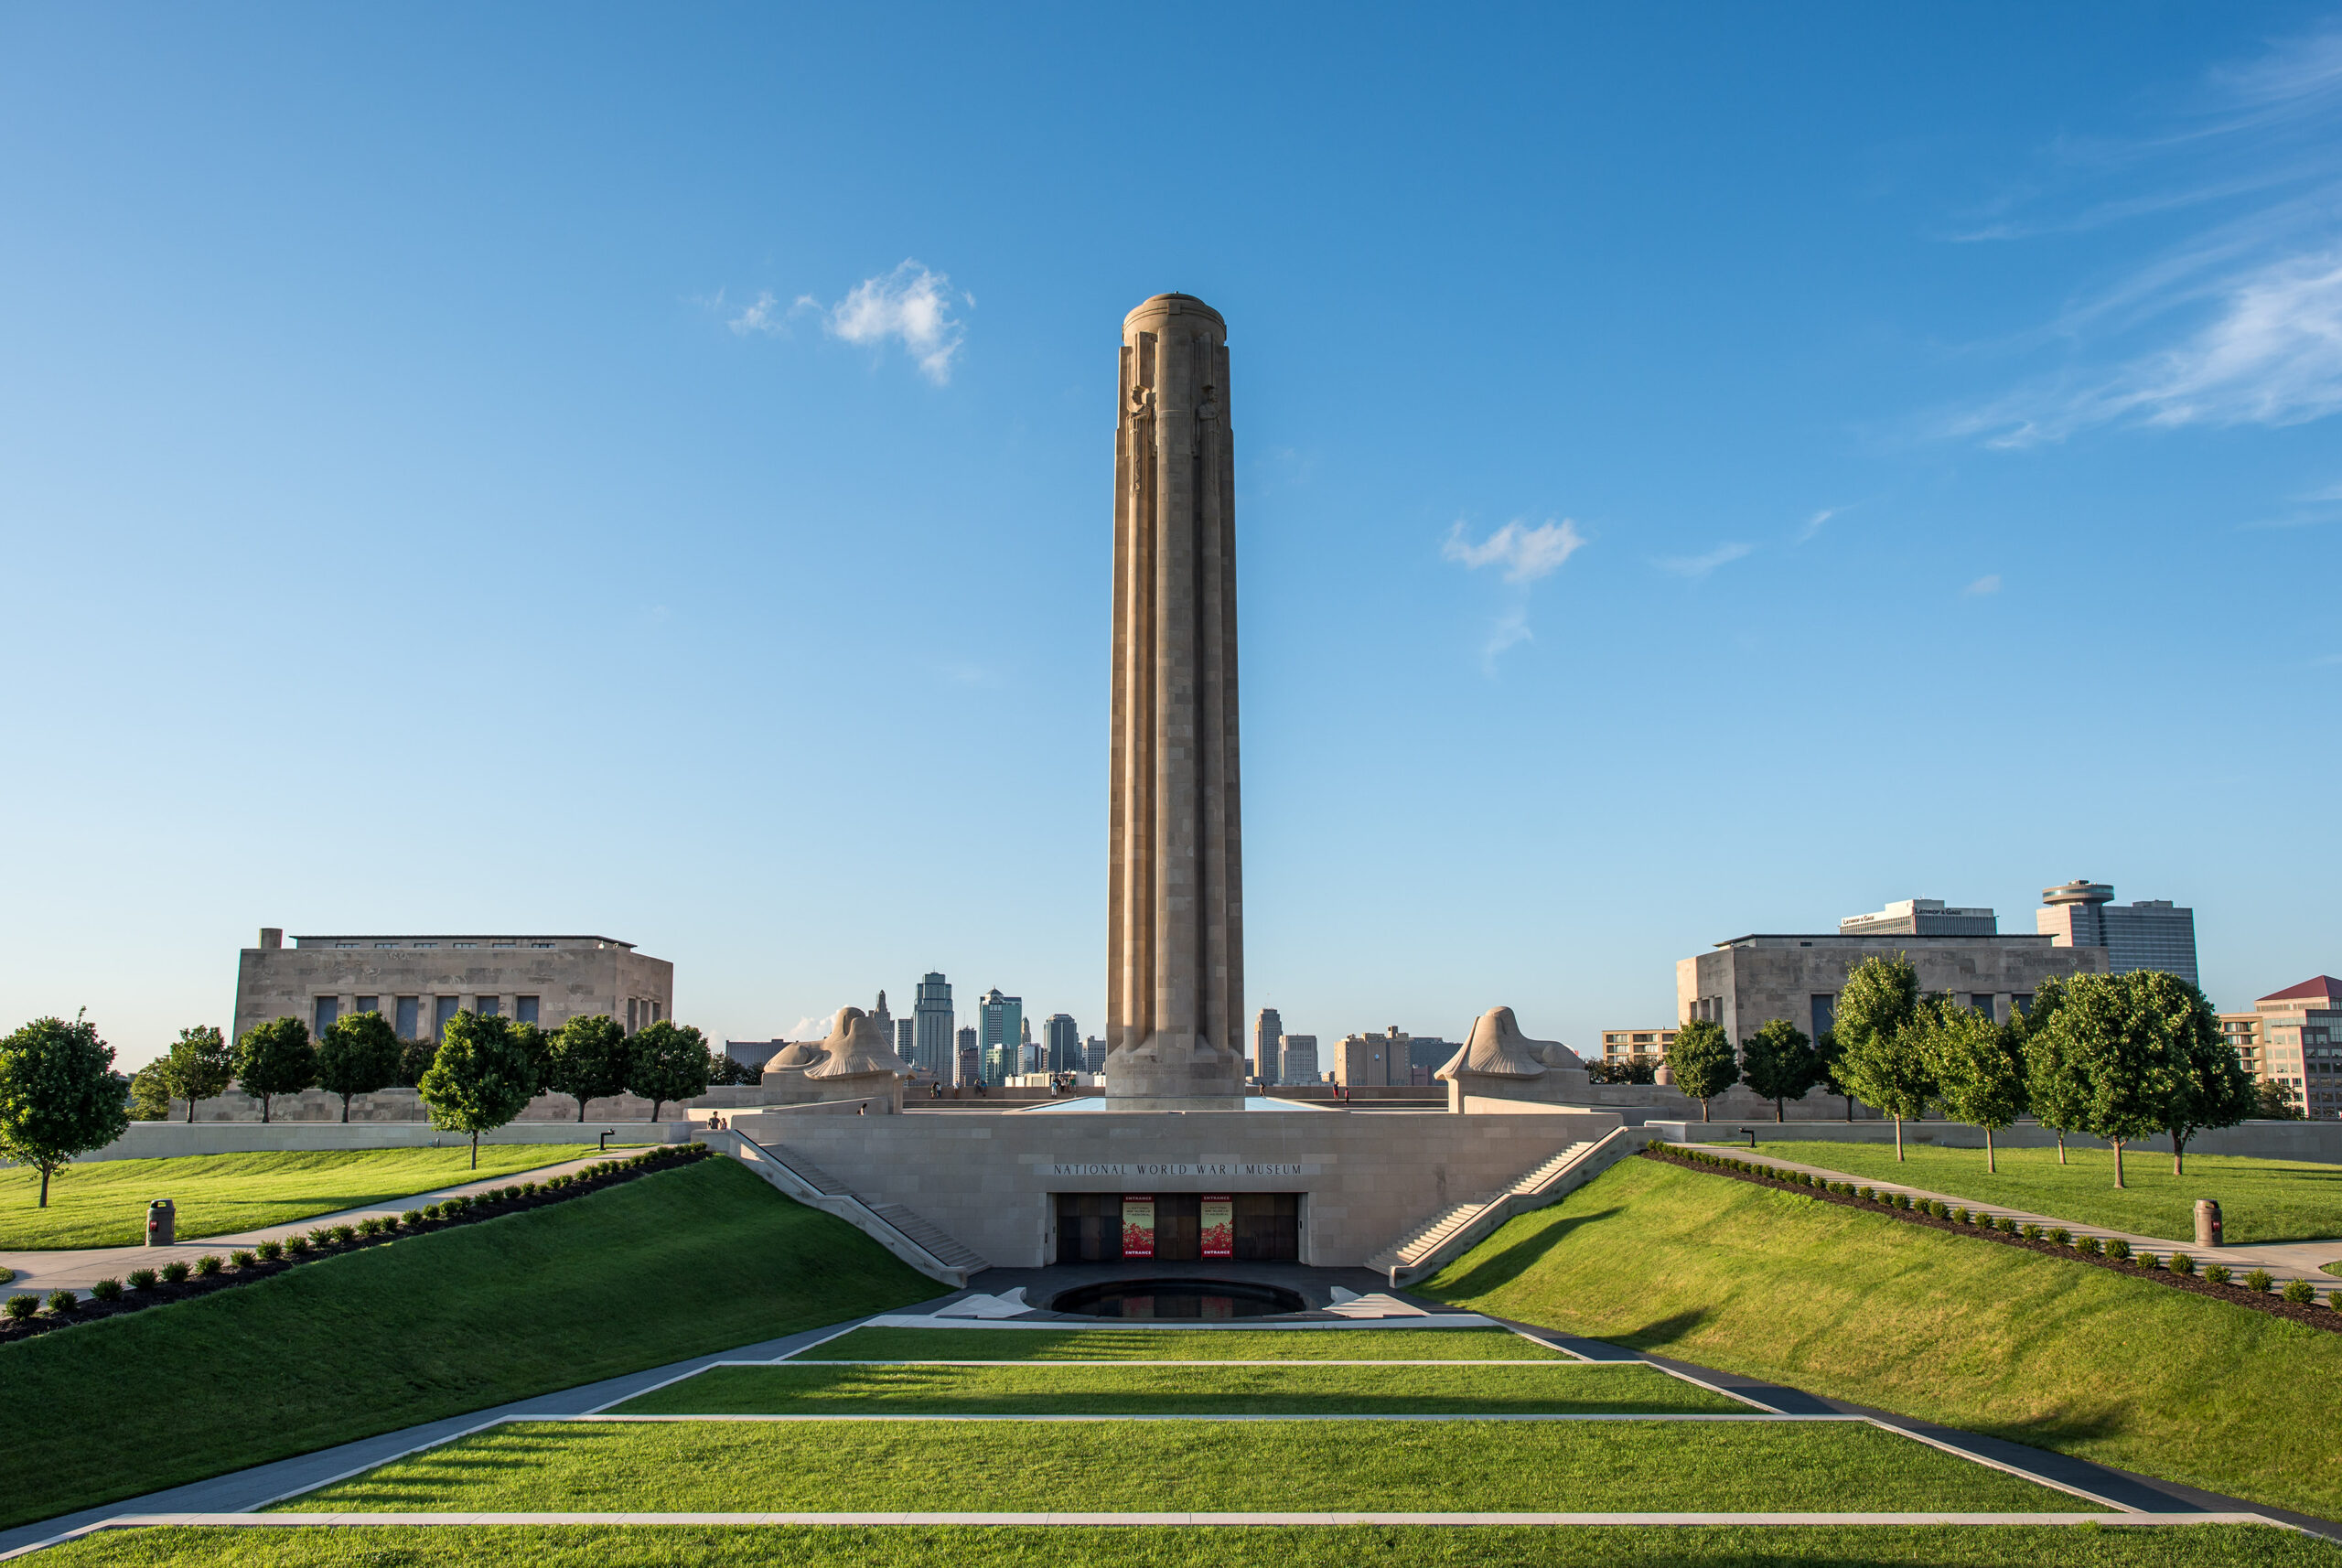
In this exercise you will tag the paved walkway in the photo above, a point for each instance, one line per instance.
(80, 1267)
(2283, 1259)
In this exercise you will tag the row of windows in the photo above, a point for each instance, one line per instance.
(406, 1013)
(546, 947)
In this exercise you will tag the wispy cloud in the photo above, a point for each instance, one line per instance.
(910, 306)
(1814, 525)
(1983, 586)
(2238, 324)
(812, 1028)
(1700, 565)
(763, 314)
(1525, 554)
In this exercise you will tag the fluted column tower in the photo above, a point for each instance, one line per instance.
(1175, 959)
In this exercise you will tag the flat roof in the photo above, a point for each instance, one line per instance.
(465, 937)
(1903, 937)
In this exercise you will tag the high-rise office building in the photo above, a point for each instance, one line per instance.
(1267, 1025)
(1921, 918)
(969, 1064)
(882, 1020)
(907, 1038)
(1063, 1041)
(1093, 1054)
(2152, 933)
(1297, 1059)
(2293, 1038)
(1001, 1022)
(932, 1050)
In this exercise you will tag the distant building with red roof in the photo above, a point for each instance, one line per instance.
(2293, 1039)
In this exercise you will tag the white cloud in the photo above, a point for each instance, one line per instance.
(2239, 323)
(1525, 554)
(762, 315)
(1700, 565)
(812, 1028)
(1814, 525)
(1510, 629)
(1986, 585)
(910, 305)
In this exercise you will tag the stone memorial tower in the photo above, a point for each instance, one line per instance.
(1174, 921)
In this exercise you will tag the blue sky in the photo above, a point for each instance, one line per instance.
(645, 470)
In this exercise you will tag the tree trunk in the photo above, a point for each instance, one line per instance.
(2118, 1160)
(581, 1110)
(1850, 1108)
(657, 1103)
(1779, 1113)
(190, 1110)
(2061, 1145)
(1898, 1139)
(263, 1110)
(475, 1151)
(345, 1110)
(2178, 1152)
(1988, 1165)
(44, 1186)
(1703, 1109)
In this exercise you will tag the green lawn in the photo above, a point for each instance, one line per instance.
(1149, 1466)
(103, 1203)
(2261, 1200)
(1555, 1388)
(686, 1546)
(1181, 1345)
(1989, 1339)
(676, 1263)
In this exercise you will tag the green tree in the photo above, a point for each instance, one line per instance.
(666, 1062)
(589, 1059)
(537, 1046)
(1701, 1061)
(59, 1095)
(274, 1059)
(2056, 1089)
(1879, 1057)
(198, 1066)
(2208, 1085)
(480, 1079)
(1979, 1069)
(150, 1096)
(2120, 1052)
(414, 1059)
(2269, 1103)
(1777, 1062)
(359, 1054)
(1829, 1062)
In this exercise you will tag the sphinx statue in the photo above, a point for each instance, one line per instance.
(1499, 1062)
(855, 1047)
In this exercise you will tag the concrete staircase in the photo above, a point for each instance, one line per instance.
(910, 1235)
(1455, 1230)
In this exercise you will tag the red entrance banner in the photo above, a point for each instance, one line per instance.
(1219, 1226)
(1138, 1225)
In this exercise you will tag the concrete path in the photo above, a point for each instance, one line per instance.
(2283, 1259)
(79, 1268)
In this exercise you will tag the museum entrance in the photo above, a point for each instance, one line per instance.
(1178, 1226)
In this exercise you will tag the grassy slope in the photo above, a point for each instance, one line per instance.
(1175, 1345)
(2006, 1546)
(1990, 1339)
(103, 1203)
(1558, 1387)
(675, 1264)
(2261, 1200)
(1148, 1466)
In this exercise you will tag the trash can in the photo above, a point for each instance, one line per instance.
(161, 1223)
(2208, 1222)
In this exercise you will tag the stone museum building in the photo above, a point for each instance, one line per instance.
(420, 983)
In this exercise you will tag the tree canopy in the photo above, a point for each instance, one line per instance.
(59, 1095)
(1879, 1054)
(274, 1059)
(1778, 1064)
(589, 1059)
(1979, 1069)
(359, 1054)
(481, 1078)
(665, 1062)
(2129, 1056)
(2209, 1087)
(198, 1066)
(1701, 1061)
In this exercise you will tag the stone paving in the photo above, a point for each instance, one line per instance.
(79, 1268)
(2283, 1259)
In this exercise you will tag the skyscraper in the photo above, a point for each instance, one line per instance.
(969, 1067)
(931, 1051)
(1064, 1043)
(1175, 927)
(1267, 1025)
(882, 1020)
(1001, 1020)
(905, 1037)
(2150, 934)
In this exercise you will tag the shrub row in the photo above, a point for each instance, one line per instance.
(2176, 1269)
(25, 1314)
